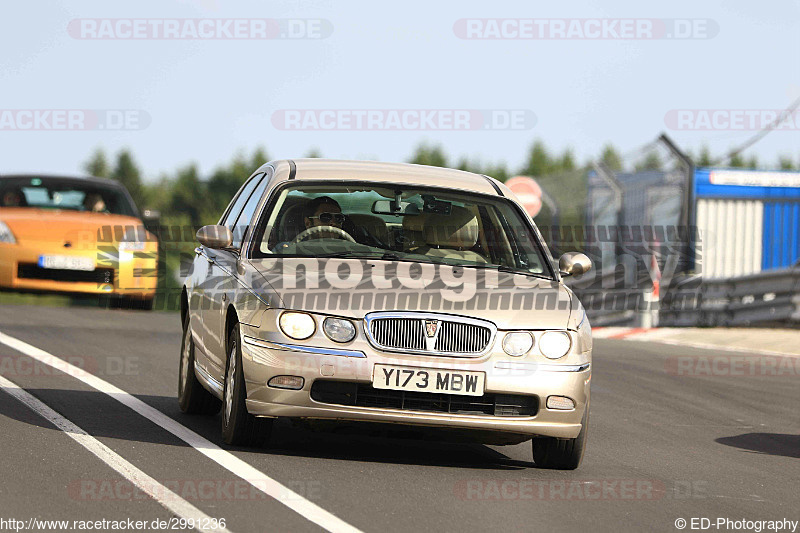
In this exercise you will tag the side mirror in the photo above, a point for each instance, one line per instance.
(151, 215)
(151, 219)
(215, 237)
(574, 264)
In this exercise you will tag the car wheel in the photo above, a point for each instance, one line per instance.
(561, 454)
(238, 426)
(192, 397)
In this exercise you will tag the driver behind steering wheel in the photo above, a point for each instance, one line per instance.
(320, 212)
(323, 211)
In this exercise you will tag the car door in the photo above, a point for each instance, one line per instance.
(224, 278)
(209, 280)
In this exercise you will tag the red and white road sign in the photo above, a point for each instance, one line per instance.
(528, 192)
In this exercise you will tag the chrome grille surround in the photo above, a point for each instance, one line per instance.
(406, 332)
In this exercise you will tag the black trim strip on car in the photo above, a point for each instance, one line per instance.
(292, 170)
(494, 185)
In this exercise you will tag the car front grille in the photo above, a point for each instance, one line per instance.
(430, 334)
(365, 395)
(33, 271)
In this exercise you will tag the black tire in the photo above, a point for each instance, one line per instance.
(192, 397)
(561, 454)
(240, 428)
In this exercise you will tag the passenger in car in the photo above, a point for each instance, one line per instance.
(13, 199)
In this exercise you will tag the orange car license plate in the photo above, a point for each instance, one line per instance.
(66, 262)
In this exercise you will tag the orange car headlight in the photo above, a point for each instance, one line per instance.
(5, 234)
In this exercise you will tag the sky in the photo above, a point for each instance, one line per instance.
(203, 100)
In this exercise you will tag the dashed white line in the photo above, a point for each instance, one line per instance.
(227, 460)
(145, 483)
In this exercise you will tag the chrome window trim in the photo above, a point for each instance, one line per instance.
(369, 317)
(313, 350)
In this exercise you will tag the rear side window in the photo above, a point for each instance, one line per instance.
(239, 200)
(246, 216)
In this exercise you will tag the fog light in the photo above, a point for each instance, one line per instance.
(286, 382)
(560, 402)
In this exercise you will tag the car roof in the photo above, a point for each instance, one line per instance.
(86, 179)
(302, 169)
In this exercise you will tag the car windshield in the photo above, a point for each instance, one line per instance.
(65, 194)
(401, 224)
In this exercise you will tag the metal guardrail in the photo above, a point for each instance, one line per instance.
(612, 300)
(768, 297)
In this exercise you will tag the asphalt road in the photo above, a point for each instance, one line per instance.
(662, 446)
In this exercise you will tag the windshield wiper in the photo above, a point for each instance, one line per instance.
(391, 256)
(345, 253)
(510, 270)
(383, 256)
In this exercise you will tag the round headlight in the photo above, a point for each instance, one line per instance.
(555, 344)
(297, 325)
(517, 343)
(339, 329)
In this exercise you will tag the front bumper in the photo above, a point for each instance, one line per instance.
(316, 360)
(117, 273)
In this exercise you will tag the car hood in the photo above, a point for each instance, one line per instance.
(31, 225)
(510, 301)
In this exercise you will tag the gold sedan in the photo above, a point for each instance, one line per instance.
(390, 293)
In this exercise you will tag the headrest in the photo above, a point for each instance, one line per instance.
(373, 224)
(458, 230)
(414, 222)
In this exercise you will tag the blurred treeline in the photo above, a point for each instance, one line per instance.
(187, 197)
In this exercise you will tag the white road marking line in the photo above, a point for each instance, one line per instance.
(227, 460)
(147, 484)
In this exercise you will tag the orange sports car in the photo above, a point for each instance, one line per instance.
(75, 235)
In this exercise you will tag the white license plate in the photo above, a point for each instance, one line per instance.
(66, 262)
(428, 380)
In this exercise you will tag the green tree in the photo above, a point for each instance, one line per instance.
(498, 171)
(651, 161)
(127, 172)
(97, 165)
(785, 163)
(566, 162)
(752, 162)
(259, 158)
(737, 161)
(314, 153)
(611, 158)
(429, 155)
(188, 196)
(538, 163)
(704, 160)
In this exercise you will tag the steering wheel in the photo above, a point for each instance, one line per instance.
(339, 233)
